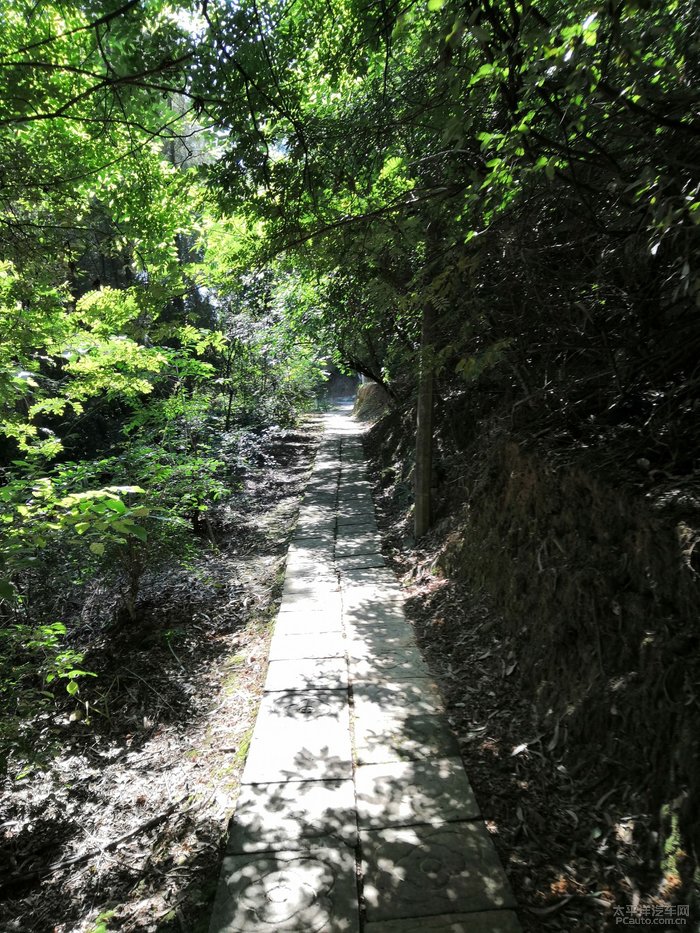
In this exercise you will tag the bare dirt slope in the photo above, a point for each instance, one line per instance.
(574, 824)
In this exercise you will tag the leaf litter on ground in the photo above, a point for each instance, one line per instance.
(123, 828)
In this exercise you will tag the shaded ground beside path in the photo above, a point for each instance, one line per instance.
(168, 725)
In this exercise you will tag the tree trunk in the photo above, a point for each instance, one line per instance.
(424, 427)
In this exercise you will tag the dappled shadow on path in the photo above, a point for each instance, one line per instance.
(318, 843)
(413, 827)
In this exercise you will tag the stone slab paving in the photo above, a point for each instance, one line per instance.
(360, 505)
(423, 871)
(308, 512)
(300, 736)
(353, 791)
(306, 566)
(350, 531)
(319, 546)
(353, 474)
(308, 602)
(354, 516)
(362, 643)
(308, 891)
(306, 623)
(316, 645)
(319, 557)
(273, 816)
(321, 500)
(372, 613)
(316, 587)
(413, 738)
(360, 562)
(408, 792)
(313, 545)
(400, 721)
(365, 543)
(307, 674)
(488, 921)
(360, 583)
(356, 489)
(311, 531)
(368, 597)
(393, 663)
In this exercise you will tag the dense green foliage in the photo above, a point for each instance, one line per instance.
(139, 337)
(529, 170)
(200, 203)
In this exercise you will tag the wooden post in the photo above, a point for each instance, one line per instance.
(424, 426)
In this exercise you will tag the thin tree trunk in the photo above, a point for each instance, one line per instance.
(229, 409)
(232, 357)
(424, 426)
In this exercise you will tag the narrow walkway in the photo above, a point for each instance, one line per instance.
(355, 812)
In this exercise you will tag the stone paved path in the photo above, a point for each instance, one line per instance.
(355, 811)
